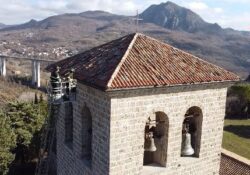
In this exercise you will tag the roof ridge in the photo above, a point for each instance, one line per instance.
(122, 60)
(185, 52)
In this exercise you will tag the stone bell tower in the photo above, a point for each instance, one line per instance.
(142, 107)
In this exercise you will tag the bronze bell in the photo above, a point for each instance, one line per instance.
(149, 142)
(186, 148)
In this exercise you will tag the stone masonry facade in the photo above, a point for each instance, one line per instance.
(118, 123)
(69, 156)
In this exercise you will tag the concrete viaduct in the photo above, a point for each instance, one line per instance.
(35, 67)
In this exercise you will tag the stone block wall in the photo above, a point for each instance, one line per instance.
(69, 157)
(118, 126)
(129, 112)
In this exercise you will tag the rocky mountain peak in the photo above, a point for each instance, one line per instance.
(174, 17)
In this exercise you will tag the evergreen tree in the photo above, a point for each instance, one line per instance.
(36, 99)
(27, 120)
(7, 143)
(21, 125)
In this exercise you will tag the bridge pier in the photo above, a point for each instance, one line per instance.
(33, 68)
(38, 81)
(36, 73)
(3, 66)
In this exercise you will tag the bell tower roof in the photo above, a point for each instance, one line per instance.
(137, 61)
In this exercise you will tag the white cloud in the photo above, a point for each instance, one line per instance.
(218, 10)
(240, 21)
(203, 9)
(198, 6)
(53, 6)
(236, 1)
(18, 11)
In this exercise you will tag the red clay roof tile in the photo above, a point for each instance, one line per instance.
(137, 60)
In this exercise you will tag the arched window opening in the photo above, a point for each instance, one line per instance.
(68, 123)
(156, 140)
(191, 132)
(86, 134)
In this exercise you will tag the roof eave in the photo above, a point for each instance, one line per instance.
(223, 83)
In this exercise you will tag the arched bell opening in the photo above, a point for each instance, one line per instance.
(191, 132)
(156, 140)
(86, 134)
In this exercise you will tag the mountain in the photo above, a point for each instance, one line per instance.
(2, 25)
(61, 35)
(80, 19)
(174, 17)
(29, 24)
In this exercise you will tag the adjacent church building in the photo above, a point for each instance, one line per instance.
(142, 107)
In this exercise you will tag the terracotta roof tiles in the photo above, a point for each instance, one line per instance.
(137, 60)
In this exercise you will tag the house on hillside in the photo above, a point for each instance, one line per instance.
(141, 107)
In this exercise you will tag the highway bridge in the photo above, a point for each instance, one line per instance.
(35, 66)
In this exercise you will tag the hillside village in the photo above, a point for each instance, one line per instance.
(17, 49)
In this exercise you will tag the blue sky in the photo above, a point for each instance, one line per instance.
(227, 13)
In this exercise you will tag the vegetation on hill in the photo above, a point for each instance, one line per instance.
(238, 102)
(236, 137)
(9, 91)
(242, 90)
(22, 125)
